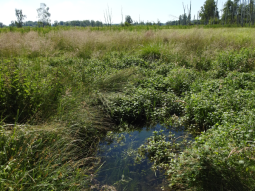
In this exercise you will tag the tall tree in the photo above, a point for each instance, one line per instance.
(251, 7)
(128, 19)
(30, 23)
(56, 23)
(43, 14)
(209, 11)
(1, 25)
(93, 23)
(20, 18)
(230, 11)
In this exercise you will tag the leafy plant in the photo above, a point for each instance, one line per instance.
(142, 105)
(150, 52)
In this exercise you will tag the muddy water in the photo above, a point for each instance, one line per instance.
(120, 171)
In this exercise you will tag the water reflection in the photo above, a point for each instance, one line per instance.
(119, 167)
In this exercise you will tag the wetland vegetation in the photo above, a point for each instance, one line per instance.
(67, 91)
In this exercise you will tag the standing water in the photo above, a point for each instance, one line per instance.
(120, 171)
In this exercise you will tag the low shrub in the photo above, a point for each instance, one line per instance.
(151, 52)
(177, 80)
(242, 61)
(221, 158)
(208, 100)
(141, 105)
(180, 80)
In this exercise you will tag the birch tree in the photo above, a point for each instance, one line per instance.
(43, 15)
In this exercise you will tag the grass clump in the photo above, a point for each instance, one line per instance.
(59, 152)
(42, 159)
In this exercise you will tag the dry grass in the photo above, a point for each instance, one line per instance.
(85, 43)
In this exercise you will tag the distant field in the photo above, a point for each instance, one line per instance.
(84, 43)
(63, 89)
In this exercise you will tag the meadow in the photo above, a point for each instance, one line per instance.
(63, 89)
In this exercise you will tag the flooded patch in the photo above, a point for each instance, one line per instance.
(120, 171)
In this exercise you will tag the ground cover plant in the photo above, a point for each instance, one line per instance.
(62, 89)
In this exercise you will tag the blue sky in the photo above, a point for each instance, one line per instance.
(66, 10)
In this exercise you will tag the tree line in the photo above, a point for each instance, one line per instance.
(240, 12)
(44, 20)
(85, 23)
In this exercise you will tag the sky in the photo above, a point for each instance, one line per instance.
(67, 10)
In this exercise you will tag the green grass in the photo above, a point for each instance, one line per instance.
(39, 159)
(62, 89)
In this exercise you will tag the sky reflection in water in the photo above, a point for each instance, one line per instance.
(119, 168)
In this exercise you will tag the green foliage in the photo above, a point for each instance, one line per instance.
(39, 160)
(202, 63)
(151, 52)
(96, 86)
(208, 10)
(177, 80)
(141, 105)
(24, 95)
(85, 52)
(242, 61)
(221, 158)
(209, 100)
(180, 80)
(120, 61)
(128, 20)
(161, 149)
(127, 24)
(20, 18)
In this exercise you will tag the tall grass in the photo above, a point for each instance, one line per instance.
(95, 44)
(55, 148)
(43, 158)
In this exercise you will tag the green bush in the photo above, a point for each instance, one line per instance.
(180, 80)
(220, 159)
(222, 156)
(202, 64)
(177, 80)
(25, 96)
(242, 61)
(208, 100)
(160, 149)
(141, 105)
(151, 52)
